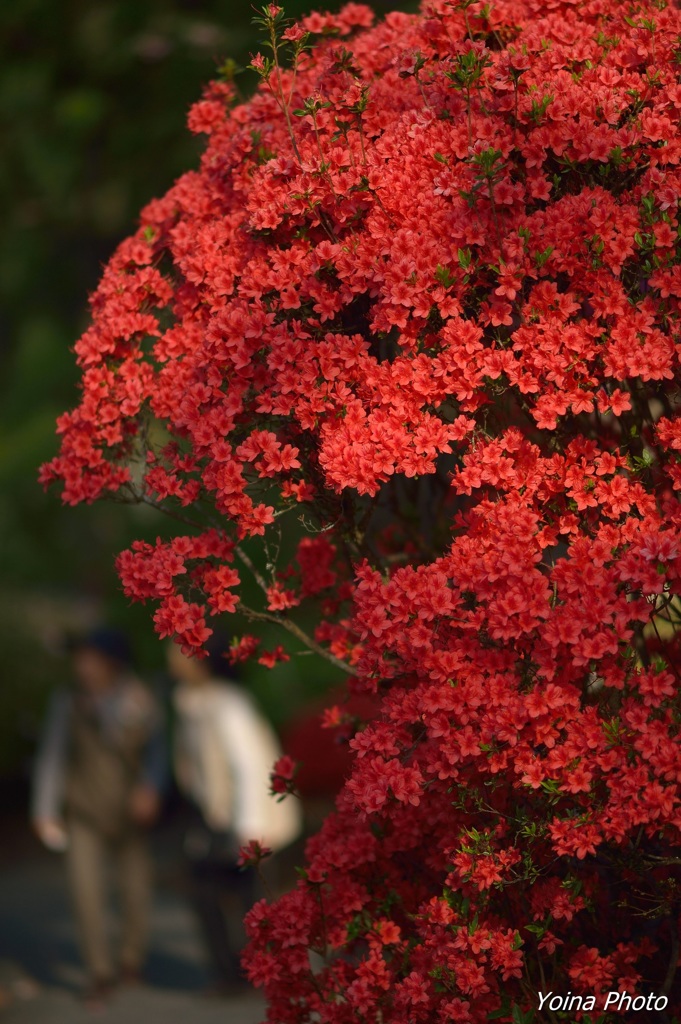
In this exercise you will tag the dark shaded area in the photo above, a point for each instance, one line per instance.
(93, 103)
(36, 923)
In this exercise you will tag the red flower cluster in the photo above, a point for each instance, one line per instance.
(425, 289)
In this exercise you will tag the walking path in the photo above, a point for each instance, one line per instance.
(141, 1006)
(40, 966)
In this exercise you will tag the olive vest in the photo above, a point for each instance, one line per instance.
(105, 759)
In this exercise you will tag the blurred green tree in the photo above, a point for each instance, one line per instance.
(93, 100)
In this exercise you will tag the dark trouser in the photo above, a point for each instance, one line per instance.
(221, 895)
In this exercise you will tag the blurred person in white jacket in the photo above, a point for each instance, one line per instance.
(224, 751)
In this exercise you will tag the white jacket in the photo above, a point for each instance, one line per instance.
(224, 753)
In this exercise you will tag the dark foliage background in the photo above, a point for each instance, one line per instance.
(93, 100)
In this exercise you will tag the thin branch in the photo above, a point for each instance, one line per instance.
(300, 634)
(143, 499)
(550, 1012)
(281, 99)
(248, 562)
(657, 634)
(673, 959)
(251, 613)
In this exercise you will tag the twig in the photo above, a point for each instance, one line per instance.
(248, 562)
(300, 634)
(673, 959)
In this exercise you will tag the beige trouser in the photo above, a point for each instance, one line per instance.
(89, 853)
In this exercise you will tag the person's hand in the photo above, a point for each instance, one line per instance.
(52, 833)
(144, 805)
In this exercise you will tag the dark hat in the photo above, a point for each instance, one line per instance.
(217, 647)
(106, 640)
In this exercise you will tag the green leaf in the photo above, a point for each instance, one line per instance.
(443, 276)
(541, 258)
(464, 257)
(503, 1010)
(535, 929)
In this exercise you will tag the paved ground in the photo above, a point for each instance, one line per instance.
(146, 1006)
(40, 966)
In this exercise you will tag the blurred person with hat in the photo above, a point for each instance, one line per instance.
(98, 780)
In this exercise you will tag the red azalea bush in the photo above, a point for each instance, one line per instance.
(423, 295)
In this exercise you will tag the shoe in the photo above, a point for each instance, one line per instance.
(228, 990)
(98, 993)
(131, 977)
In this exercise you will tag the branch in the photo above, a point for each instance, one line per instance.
(673, 958)
(294, 628)
(248, 562)
(251, 613)
(144, 499)
(657, 634)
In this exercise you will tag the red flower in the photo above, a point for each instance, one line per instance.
(409, 362)
(252, 854)
(283, 774)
